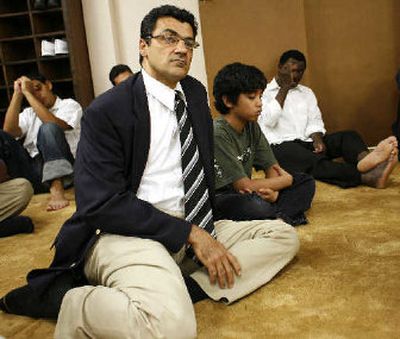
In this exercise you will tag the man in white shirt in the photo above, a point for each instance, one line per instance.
(292, 123)
(50, 128)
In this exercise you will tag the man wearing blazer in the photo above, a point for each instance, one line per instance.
(132, 242)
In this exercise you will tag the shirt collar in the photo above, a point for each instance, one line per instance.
(273, 85)
(164, 94)
(56, 104)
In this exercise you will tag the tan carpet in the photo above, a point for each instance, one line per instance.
(344, 282)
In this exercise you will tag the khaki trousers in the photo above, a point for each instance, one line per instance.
(138, 290)
(15, 195)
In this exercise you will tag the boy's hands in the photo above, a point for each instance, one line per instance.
(268, 194)
(23, 85)
(220, 263)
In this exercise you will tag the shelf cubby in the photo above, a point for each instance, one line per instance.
(18, 50)
(55, 68)
(18, 70)
(2, 79)
(15, 26)
(3, 95)
(13, 6)
(47, 22)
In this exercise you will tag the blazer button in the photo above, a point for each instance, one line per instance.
(98, 231)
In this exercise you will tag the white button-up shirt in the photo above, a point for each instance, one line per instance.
(65, 109)
(162, 183)
(298, 119)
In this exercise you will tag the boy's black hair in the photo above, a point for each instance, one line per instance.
(294, 54)
(116, 70)
(149, 21)
(234, 79)
(37, 76)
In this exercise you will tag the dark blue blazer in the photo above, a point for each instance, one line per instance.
(111, 157)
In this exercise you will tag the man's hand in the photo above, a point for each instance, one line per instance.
(285, 77)
(319, 146)
(220, 263)
(318, 143)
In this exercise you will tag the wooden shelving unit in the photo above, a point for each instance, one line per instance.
(22, 29)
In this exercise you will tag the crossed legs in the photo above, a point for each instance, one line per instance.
(140, 293)
(138, 290)
(359, 167)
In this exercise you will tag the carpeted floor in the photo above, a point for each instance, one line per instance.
(344, 282)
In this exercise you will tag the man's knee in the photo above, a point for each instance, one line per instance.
(110, 313)
(180, 323)
(293, 242)
(350, 135)
(285, 235)
(49, 128)
(24, 189)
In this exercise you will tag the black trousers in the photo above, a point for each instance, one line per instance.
(290, 206)
(298, 156)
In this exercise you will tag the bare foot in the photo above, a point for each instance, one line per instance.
(57, 199)
(378, 176)
(379, 155)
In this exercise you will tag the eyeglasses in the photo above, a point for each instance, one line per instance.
(173, 40)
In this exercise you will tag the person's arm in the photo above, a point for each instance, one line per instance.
(315, 125)
(11, 120)
(41, 111)
(284, 79)
(222, 265)
(273, 105)
(276, 179)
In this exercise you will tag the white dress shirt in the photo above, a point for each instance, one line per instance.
(65, 109)
(298, 119)
(162, 183)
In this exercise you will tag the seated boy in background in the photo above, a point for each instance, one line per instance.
(240, 145)
(50, 128)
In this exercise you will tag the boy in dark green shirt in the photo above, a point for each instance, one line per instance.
(240, 145)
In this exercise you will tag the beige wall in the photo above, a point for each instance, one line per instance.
(113, 30)
(353, 49)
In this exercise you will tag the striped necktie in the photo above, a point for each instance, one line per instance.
(197, 203)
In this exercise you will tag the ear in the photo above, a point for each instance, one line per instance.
(143, 45)
(227, 102)
(49, 84)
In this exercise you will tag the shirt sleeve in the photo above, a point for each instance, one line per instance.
(271, 111)
(264, 156)
(228, 168)
(315, 123)
(70, 112)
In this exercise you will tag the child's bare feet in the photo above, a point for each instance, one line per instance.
(57, 199)
(379, 155)
(378, 176)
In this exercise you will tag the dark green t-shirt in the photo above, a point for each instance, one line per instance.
(237, 153)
